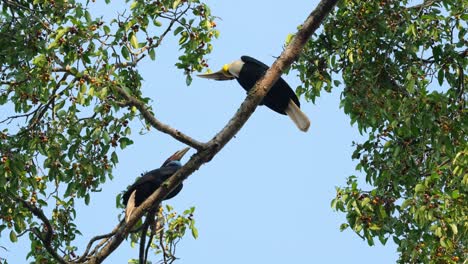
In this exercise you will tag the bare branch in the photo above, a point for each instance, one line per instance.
(149, 117)
(204, 155)
(91, 242)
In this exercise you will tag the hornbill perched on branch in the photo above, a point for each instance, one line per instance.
(150, 181)
(281, 98)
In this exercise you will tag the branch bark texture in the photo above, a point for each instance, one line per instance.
(206, 151)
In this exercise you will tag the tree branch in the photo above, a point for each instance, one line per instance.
(149, 117)
(47, 238)
(204, 155)
(90, 243)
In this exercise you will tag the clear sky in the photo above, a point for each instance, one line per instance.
(265, 198)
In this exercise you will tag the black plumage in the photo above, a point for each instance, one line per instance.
(280, 93)
(149, 182)
(138, 192)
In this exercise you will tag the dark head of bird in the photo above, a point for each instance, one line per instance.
(281, 98)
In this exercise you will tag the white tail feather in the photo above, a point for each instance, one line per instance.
(297, 116)
(130, 206)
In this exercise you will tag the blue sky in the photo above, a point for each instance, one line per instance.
(265, 198)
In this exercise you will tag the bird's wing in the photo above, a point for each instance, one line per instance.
(158, 175)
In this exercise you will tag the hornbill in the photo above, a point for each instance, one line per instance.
(281, 98)
(150, 181)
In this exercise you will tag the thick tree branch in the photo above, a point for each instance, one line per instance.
(204, 155)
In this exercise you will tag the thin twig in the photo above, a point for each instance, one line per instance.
(90, 243)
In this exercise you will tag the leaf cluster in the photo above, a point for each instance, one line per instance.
(59, 68)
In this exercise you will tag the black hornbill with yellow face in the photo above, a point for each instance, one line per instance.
(281, 98)
(150, 181)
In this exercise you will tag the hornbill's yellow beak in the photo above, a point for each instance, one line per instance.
(221, 75)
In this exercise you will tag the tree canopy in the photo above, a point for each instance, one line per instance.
(403, 70)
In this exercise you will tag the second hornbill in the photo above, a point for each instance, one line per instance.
(150, 181)
(281, 98)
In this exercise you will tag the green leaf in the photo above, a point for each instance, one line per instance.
(419, 188)
(59, 105)
(91, 91)
(455, 194)
(152, 54)
(343, 226)
(178, 30)
(87, 198)
(410, 85)
(124, 142)
(133, 40)
(440, 76)
(114, 158)
(175, 4)
(118, 200)
(365, 201)
(454, 228)
(183, 38)
(134, 5)
(356, 208)
(289, 37)
(194, 232)
(383, 240)
(106, 29)
(125, 53)
(13, 237)
(106, 137)
(88, 17)
(188, 80)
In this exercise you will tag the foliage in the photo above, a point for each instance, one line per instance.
(59, 68)
(404, 73)
(170, 228)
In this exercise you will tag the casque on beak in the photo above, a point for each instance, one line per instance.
(179, 154)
